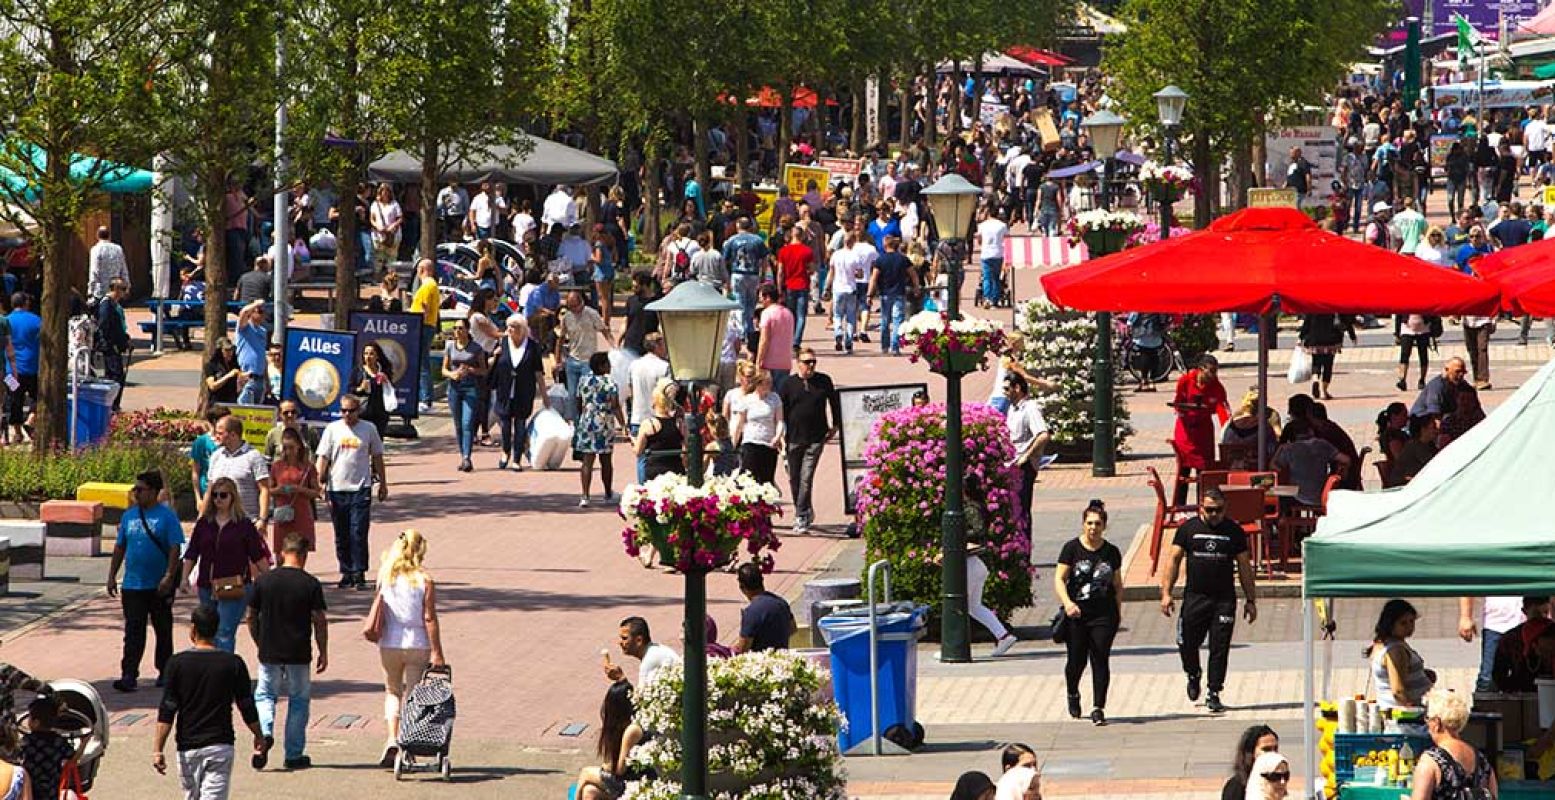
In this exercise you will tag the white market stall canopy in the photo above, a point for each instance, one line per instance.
(1478, 520)
(545, 163)
(1498, 94)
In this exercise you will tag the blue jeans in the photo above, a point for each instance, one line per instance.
(352, 515)
(574, 370)
(844, 314)
(893, 310)
(778, 376)
(253, 392)
(993, 283)
(744, 287)
(1047, 222)
(1357, 206)
(428, 333)
(463, 397)
(296, 682)
(798, 304)
(1488, 640)
(231, 613)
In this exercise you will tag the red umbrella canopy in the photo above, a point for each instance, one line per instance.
(1256, 258)
(1526, 275)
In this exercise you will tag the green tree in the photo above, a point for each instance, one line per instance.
(78, 78)
(1243, 64)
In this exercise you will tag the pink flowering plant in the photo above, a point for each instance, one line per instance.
(159, 424)
(951, 345)
(902, 497)
(1151, 233)
(1172, 178)
(705, 526)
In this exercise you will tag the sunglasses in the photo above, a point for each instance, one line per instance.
(350, 410)
(1213, 509)
(809, 362)
(288, 413)
(1278, 777)
(222, 495)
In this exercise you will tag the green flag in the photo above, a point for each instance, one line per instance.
(1467, 39)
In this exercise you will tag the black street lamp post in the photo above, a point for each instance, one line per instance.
(1169, 103)
(1104, 127)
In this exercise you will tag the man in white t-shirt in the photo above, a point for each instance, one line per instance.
(350, 457)
(990, 241)
(845, 278)
(1028, 434)
(1536, 138)
(865, 254)
(636, 642)
(483, 211)
(558, 209)
(645, 373)
(1497, 616)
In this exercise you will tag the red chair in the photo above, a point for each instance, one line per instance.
(1212, 479)
(1166, 516)
(1245, 507)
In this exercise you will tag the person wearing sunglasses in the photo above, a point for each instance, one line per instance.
(147, 547)
(465, 367)
(350, 458)
(290, 419)
(1216, 550)
(224, 553)
(1451, 767)
(808, 397)
(1254, 742)
(1270, 778)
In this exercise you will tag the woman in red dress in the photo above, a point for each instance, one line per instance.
(1199, 396)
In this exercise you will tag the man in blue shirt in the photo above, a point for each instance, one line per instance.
(25, 327)
(253, 340)
(1478, 246)
(893, 274)
(882, 226)
(745, 256)
(148, 546)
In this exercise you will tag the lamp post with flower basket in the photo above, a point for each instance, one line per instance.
(950, 344)
(1104, 232)
(1104, 127)
(694, 525)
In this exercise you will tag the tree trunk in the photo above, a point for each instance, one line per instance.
(785, 130)
(906, 97)
(51, 427)
(651, 189)
(213, 191)
(953, 125)
(1202, 168)
(1260, 150)
(429, 199)
(1241, 175)
(931, 109)
(348, 250)
(857, 133)
(742, 147)
(977, 89)
(699, 149)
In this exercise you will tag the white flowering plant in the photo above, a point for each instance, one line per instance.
(951, 344)
(1172, 178)
(770, 737)
(1059, 347)
(1098, 219)
(705, 526)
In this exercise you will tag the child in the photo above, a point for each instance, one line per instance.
(44, 751)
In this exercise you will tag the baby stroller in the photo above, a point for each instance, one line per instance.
(427, 724)
(83, 722)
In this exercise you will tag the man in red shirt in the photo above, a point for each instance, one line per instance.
(795, 260)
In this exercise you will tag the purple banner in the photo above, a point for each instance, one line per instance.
(1484, 15)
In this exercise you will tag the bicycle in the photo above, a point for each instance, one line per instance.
(1155, 364)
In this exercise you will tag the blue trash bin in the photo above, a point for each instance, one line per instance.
(94, 412)
(847, 635)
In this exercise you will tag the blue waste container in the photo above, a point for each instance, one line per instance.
(94, 412)
(900, 627)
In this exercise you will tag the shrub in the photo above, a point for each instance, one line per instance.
(902, 497)
(1060, 345)
(159, 424)
(26, 476)
(770, 733)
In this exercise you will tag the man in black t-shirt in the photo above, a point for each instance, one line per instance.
(203, 683)
(639, 320)
(1215, 548)
(286, 610)
(767, 623)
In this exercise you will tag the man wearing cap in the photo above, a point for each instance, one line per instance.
(1378, 231)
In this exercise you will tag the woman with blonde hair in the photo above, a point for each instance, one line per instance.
(1451, 767)
(226, 552)
(659, 439)
(758, 427)
(403, 623)
(1269, 778)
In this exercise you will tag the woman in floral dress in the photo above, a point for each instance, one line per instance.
(599, 403)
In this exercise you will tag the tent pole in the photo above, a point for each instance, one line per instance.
(1263, 389)
(1309, 716)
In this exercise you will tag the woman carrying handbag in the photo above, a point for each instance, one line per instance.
(296, 489)
(227, 551)
(403, 623)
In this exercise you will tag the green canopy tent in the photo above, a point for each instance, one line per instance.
(1476, 521)
(110, 176)
(1544, 71)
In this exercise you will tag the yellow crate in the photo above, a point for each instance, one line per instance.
(111, 495)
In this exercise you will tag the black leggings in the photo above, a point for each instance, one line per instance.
(1323, 367)
(760, 461)
(1420, 343)
(1090, 640)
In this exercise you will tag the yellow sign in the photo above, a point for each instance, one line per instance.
(257, 422)
(765, 198)
(1547, 197)
(798, 180)
(1265, 198)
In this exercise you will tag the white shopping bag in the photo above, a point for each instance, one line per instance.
(1300, 366)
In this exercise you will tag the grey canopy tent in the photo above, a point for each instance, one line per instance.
(1474, 522)
(546, 162)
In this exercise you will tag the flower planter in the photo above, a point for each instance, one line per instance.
(659, 536)
(1105, 242)
(957, 363)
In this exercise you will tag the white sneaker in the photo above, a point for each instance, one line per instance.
(425, 408)
(1004, 645)
(583, 502)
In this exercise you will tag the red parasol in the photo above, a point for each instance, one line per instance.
(1038, 57)
(1526, 275)
(769, 97)
(1266, 259)
(1263, 260)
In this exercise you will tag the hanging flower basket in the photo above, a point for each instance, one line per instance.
(952, 347)
(1104, 232)
(1174, 180)
(701, 527)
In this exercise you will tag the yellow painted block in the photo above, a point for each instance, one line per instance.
(111, 495)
